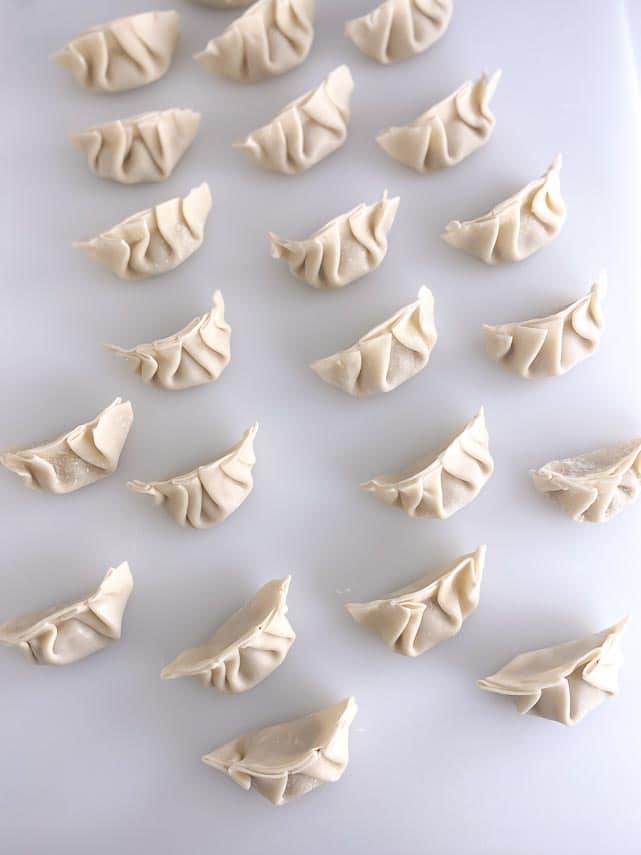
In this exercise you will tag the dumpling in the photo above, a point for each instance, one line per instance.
(400, 29)
(210, 493)
(222, 4)
(387, 355)
(548, 347)
(64, 634)
(270, 38)
(197, 354)
(594, 486)
(141, 148)
(155, 240)
(517, 227)
(348, 247)
(448, 132)
(77, 458)
(246, 648)
(417, 617)
(445, 485)
(291, 759)
(566, 682)
(124, 53)
(307, 130)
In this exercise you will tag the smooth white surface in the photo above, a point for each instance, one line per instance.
(103, 756)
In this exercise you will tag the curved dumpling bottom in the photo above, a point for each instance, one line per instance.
(64, 634)
(344, 249)
(83, 455)
(386, 356)
(307, 129)
(400, 29)
(550, 346)
(291, 759)
(566, 682)
(419, 616)
(270, 38)
(155, 240)
(448, 132)
(141, 148)
(445, 485)
(197, 354)
(246, 648)
(208, 494)
(517, 227)
(594, 486)
(124, 53)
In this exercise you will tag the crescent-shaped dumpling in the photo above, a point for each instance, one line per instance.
(65, 634)
(445, 485)
(245, 650)
(197, 354)
(307, 130)
(448, 132)
(344, 249)
(288, 760)
(550, 346)
(387, 355)
(208, 494)
(124, 53)
(419, 616)
(155, 240)
(594, 486)
(517, 227)
(141, 148)
(270, 38)
(400, 29)
(566, 682)
(83, 455)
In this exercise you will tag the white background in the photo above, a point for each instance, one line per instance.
(103, 756)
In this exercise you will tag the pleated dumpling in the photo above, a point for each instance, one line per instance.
(270, 38)
(155, 240)
(64, 634)
(445, 485)
(387, 355)
(197, 354)
(124, 53)
(288, 760)
(550, 346)
(208, 494)
(419, 616)
(83, 455)
(307, 130)
(517, 227)
(400, 29)
(594, 486)
(566, 682)
(141, 148)
(246, 648)
(448, 132)
(344, 249)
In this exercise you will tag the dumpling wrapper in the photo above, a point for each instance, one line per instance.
(448, 483)
(386, 356)
(64, 634)
(419, 616)
(83, 455)
(246, 648)
(566, 682)
(291, 759)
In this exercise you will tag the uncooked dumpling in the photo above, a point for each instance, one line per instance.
(566, 682)
(387, 355)
(246, 648)
(65, 634)
(419, 616)
(291, 759)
